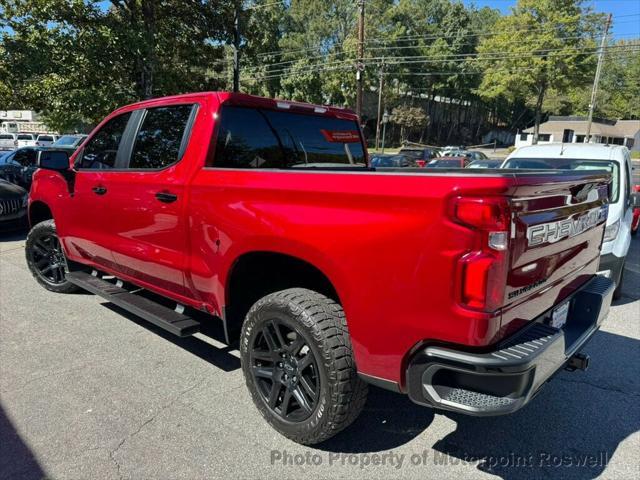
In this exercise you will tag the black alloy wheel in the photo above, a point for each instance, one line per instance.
(49, 259)
(285, 371)
(46, 259)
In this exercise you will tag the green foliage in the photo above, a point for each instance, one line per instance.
(409, 119)
(544, 45)
(76, 60)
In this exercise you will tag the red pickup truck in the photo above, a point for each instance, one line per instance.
(465, 290)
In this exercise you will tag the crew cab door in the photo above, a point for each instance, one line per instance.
(86, 226)
(147, 198)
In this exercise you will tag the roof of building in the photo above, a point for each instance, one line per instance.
(604, 128)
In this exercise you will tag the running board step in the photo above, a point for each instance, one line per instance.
(166, 318)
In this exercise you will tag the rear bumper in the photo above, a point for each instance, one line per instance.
(505, 379)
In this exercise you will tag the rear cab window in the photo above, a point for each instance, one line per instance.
(263, 138)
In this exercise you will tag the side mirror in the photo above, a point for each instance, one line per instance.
(635, 200)
(57, 160)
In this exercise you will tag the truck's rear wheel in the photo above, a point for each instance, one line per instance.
(46, 259)
(298, 365)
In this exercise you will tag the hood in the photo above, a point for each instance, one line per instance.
(9, 189)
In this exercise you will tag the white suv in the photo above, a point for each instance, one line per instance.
(7, 141)
(592, 156)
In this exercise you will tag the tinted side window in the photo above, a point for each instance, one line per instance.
(101, 151)
(263, 138)
(157, 143)
(246, 141)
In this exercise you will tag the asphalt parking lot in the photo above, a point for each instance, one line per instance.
(88, 392)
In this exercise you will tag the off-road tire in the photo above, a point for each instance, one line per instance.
(321, 323)
(46, 229)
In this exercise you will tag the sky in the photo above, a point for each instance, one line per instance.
(626, 13)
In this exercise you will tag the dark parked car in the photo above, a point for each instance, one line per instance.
(392, 161)
(470, 154)
(421, 155)
(488, 163)
(13, 206)
(69, 142)
(449, 162)
(18, 166)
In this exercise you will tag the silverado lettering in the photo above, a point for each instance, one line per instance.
(265, 216)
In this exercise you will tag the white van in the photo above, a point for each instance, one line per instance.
(613, 158)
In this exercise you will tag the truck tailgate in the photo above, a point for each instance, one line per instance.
(557, 226)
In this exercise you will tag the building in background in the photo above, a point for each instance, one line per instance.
(21, 121)
(574, 130)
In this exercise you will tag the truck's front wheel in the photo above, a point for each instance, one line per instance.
(46, 259)
(298, 365)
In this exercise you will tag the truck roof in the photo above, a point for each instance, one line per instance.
(247, 100)
(587, 151)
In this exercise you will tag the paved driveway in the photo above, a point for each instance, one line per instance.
(88, 392)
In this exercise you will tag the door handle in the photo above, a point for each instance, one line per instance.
(99, 190)
(166, 197)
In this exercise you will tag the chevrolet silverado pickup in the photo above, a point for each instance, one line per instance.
(465, 289)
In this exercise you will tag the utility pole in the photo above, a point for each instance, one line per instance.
(360, 65)
(596, 80)
(380, 88)
(236, 48)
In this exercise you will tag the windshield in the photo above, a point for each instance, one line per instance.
(45, 138)
(66, 141)
(570, 164)
(25, 137)
(262, 138)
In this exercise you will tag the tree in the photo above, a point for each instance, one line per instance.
(76, 60)
(543, 46)
(409, 119)
(619, 89)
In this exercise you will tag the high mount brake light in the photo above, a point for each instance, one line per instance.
(482, 272)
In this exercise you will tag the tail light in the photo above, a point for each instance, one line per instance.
(421, 163)
(483, 270)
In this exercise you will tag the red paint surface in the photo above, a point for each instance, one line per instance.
(388, 242)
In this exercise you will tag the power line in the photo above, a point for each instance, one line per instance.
(471, 33)
(323, 67)
(256, 68)
(455, 58)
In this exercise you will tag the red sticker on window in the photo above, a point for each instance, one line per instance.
(341, 136)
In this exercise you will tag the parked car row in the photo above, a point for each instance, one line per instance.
(18, 166)
(11, 141)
